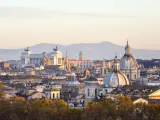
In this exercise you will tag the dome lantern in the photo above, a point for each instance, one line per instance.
(127, 49)
(116, 64)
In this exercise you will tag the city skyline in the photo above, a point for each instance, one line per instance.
(31, 22)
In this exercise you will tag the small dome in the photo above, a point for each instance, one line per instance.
(116, 79)
(73, 83)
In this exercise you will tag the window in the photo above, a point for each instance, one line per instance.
(59, 60)
(128, 76)
(88, 92)
(31, 61)
(53, 95)
(96, 93)
(52, 60)
(135, 76)
(57, 96)
(23, 60)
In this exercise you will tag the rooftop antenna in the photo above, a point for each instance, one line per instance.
(67, 51)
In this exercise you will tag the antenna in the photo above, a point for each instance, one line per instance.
(67, 51)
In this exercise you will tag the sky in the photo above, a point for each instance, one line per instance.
(28, 22)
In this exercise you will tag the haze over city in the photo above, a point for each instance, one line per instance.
(79, 59)
(29, 22)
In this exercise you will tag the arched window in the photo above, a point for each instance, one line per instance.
(53, 95)
(96, 92)
(88, 92)
(57, 96)
(128, 76)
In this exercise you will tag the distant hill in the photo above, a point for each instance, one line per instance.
(96, 51)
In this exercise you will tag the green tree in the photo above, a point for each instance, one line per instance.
(125, 108)
(75, 114)
(102, 110)
(140, 112)
(1, 92)
(153, 111)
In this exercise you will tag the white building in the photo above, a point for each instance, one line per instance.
(27, 58)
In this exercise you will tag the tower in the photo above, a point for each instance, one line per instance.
(103, 72)
(116, 66)
(80, 55)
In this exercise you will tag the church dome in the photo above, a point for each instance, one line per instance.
(116, 78)
(128, 61)
(73, 82)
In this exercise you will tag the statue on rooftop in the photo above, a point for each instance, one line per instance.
(55, 49)
(27, 49)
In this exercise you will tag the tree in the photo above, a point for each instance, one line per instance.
(17, 99)
(153, 111)
(1, 92)
(12, 110)
(140, 112)
(105, 109)
(125, 108)
(75, 114)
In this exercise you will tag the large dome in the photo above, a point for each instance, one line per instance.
(128, 62)
(116, 78)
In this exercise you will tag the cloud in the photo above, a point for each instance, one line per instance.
(20, 12)
(98, 15)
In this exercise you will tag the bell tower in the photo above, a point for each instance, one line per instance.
(116, 66)
(80, 56)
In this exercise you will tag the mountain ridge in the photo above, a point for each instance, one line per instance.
(96, 51)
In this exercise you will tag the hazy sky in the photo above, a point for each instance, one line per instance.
(28, 22)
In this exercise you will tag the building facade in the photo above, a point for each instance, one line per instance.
(4, 65)
(52, 58)
(84, 64)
